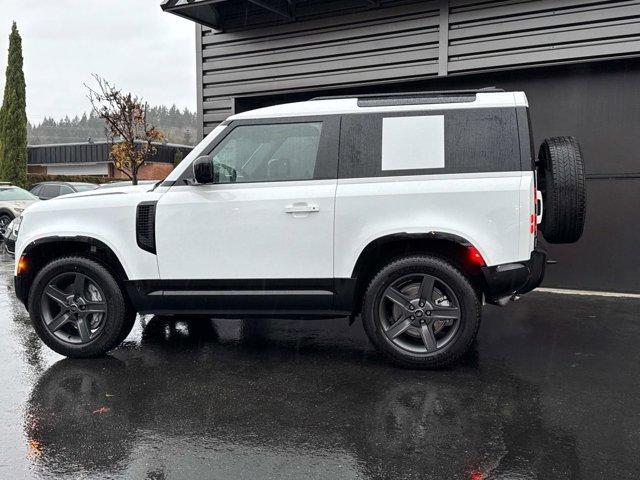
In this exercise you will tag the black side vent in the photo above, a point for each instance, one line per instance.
(146, 226)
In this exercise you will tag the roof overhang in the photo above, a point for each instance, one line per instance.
(213, 13)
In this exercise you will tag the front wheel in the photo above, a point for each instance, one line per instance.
(421, 312)
(77, 308)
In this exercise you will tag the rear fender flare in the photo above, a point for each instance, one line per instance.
(430, 235)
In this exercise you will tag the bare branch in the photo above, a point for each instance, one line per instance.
(126, 126)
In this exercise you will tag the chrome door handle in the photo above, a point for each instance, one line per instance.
(302, 207)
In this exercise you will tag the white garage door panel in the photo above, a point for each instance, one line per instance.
(79, 169)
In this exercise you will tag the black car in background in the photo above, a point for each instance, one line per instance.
(48, 190)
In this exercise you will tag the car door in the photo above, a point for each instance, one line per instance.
(267, 223)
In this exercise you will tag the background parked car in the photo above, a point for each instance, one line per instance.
(9, 237)
(48, 190)
(13, 201)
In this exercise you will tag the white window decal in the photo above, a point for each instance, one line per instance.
(413, 143)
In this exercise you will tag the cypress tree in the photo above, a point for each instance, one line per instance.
(13, 116)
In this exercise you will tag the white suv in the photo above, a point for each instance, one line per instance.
(409, 210)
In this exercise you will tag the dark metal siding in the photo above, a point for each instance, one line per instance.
(91, 153)
(67, 153)
(337, 44)
(375, 45)
(508, 33)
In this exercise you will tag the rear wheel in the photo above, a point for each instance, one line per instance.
(77, 307)
(421, 312)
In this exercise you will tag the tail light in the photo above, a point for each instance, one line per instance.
(475, 257)
(533, 219)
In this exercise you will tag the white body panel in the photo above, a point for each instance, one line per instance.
(527, 207)
(241, 231)
(107, 217)
(482, 208)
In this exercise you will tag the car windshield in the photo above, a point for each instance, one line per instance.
(15, 193)
(84, 187)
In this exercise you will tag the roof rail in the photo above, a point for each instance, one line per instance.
(431, 93)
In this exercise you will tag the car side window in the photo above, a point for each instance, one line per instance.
(50, 191)
(429, 142)
(268, 153)
(65, 190)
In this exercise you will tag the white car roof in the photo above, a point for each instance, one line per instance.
(334, 106)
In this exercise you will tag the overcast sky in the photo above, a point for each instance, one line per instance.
(129, 42)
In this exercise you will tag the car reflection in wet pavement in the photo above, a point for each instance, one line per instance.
(550, 391)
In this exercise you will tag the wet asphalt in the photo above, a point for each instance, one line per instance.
(550, 391)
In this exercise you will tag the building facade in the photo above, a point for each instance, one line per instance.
(577, 61)
(92, 159)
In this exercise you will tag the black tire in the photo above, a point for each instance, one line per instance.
(112, 326)
(127, 324)
(130, 313)
(561, 179)
(447, 279)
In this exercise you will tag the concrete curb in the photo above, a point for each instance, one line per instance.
(589, 293)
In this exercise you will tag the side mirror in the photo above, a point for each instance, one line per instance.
(203, 170)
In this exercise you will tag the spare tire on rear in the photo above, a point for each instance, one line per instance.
(562, 182)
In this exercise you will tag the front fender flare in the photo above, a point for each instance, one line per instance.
(91, 241)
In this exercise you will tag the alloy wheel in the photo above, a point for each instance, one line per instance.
(74, 308)
(419, 313)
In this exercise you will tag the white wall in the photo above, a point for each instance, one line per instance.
(79, 169)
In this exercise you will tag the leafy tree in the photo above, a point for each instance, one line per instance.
(187, 138)
(127, 128)
(177, 127)
(13, 116)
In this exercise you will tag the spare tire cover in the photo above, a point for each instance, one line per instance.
(562, 182)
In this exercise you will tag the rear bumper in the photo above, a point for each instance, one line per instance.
(514, 278)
